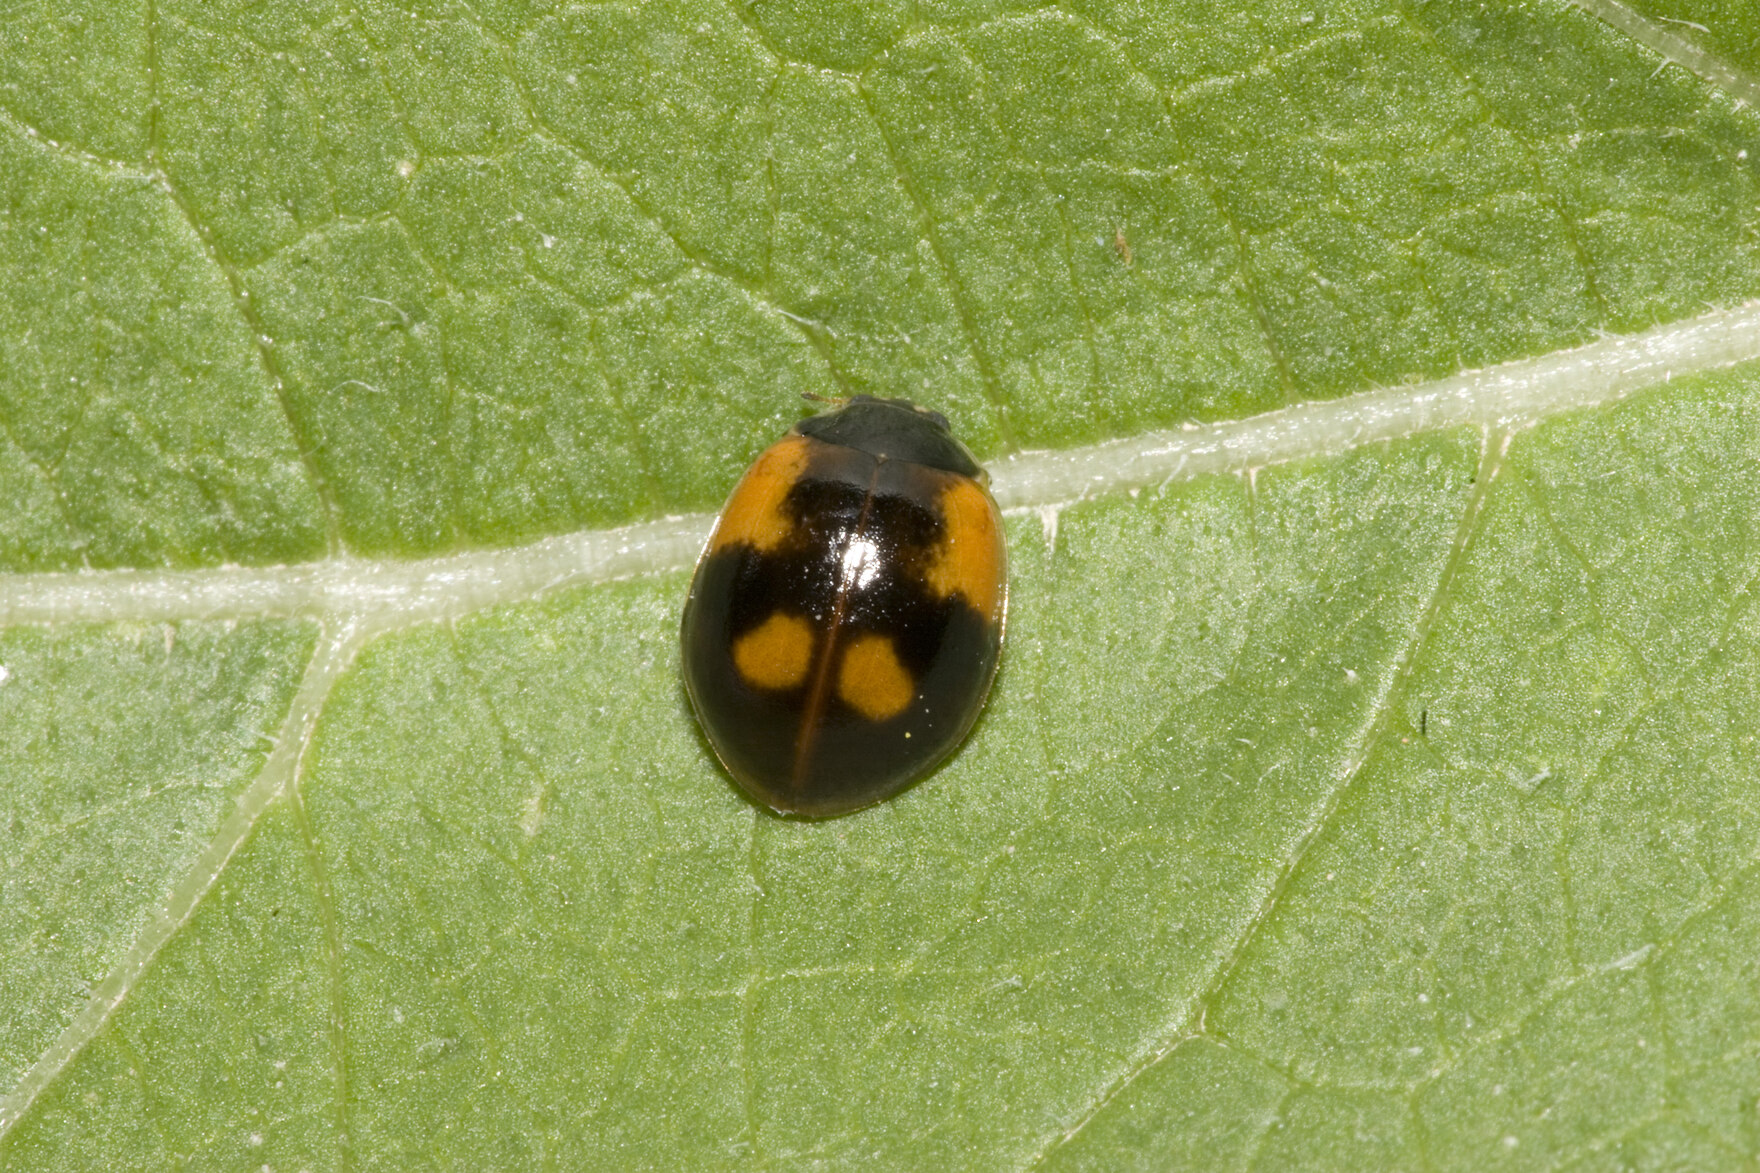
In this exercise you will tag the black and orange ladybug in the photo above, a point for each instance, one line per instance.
(846, 616)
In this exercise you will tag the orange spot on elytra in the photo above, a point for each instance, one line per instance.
(872, 681)
(969, 560)
(775, 654)
(754, 514)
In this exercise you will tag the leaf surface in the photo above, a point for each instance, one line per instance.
(1390, 805)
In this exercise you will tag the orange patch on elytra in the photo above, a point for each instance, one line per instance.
(775, 654)
(872, 681)
(754, 514)
(969, 558)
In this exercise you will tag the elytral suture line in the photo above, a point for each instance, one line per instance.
(354, 600)
(388, 594)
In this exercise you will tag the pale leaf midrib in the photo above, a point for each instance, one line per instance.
(390, 594)
(356, 600)
(1676, 49)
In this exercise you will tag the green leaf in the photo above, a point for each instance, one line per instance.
(1371, 785)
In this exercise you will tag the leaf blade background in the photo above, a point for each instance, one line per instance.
(532, 925)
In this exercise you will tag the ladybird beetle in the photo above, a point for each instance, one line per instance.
(846, 616)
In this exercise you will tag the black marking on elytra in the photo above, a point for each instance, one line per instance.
(946, 645)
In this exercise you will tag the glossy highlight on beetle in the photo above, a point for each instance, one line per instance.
(846, 617)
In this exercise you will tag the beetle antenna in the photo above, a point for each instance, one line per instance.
(834, 400)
